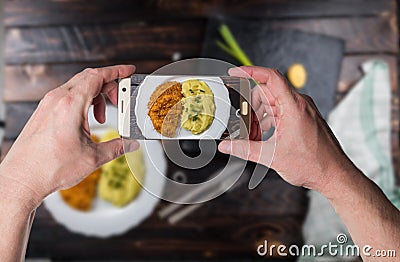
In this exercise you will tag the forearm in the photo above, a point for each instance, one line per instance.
(14, 229)
(16, 217)
(369, 216)
(45, 155)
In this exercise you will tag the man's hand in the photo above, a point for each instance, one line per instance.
(54, 150)
(304, 152)
(302, 143)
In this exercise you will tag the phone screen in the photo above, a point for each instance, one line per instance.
(230, 117)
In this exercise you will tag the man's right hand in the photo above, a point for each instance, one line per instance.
(303, 149)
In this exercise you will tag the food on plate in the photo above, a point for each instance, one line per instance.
(117, 184)
(198, 106)
(165, 108)
(114, 181)
(81, 196)
(297, 75)
(191, 104)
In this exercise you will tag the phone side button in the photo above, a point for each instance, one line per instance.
(244, 109)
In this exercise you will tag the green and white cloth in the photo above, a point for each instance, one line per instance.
(361, 123)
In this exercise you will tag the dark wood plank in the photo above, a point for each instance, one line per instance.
(31, 82)
(226, 228)
(351, 71)
(361, 35)
(39, 79)
(17, 114)
(41, 56)
(5, 147)
(26, 83)
(103, 43)
(395, 138)
(44, 12)
(151, 41)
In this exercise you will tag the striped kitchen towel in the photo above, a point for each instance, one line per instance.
(361, 122)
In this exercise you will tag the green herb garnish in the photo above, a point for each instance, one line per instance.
(231, 46)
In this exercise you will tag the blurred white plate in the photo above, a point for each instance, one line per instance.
(105, 220)
(221, 99)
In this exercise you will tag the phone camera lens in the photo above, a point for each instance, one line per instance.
(123, 89)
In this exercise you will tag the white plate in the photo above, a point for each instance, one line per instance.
(221, 99)
(105, 220)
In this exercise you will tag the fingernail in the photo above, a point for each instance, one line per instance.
(132, 145)
(234, 70)
(225, 147)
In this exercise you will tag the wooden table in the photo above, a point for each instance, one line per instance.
(49, 41)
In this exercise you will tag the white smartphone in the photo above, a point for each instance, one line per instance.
(229, 123)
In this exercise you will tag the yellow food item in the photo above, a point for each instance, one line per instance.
(198, 106)
(81, 196)
(297, 75)
(117, 184)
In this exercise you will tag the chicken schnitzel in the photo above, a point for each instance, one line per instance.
(165, 108)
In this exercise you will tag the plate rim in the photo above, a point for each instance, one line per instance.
(164, 78)
(55, 198)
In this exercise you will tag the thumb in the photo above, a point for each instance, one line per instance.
(244, 149)
(112, 149)
(255, 151)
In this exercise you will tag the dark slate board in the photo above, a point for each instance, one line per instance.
(279, 48)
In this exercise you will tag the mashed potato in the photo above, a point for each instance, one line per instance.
(117, 184)
(198, 106)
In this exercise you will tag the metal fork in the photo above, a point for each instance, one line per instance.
(176, 212)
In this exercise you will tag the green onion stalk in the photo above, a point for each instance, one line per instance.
(231, 46)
